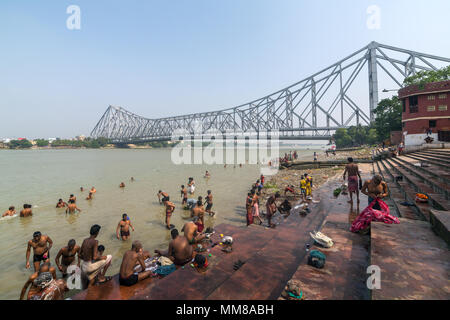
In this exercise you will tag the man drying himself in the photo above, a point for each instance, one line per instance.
(375, 188)
(164, 195)
(10, 212)
(26, 212)
(271, 208)
(353, 173)
(67, 255)
(93, 265)
(40, 250)
(124, 226)
(209, 201)
(184, 195)
(191, 232)
(72, 207)
(127, 275)
(61, 204)
(170, 207)
(30, 282)
(180, 251)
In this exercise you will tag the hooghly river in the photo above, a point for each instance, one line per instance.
(41, 177)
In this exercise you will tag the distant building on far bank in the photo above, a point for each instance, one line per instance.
(426, 112)
(80, 138)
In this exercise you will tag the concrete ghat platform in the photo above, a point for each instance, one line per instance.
(271, 257)
(414, 262)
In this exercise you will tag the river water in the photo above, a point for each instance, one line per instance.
(41, 177)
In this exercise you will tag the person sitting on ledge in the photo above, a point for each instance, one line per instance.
(131, 258)
(180, 251)
(285, 207)
(191, 231)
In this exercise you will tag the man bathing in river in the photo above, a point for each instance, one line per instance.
(353, 173)
(164, 195)
(34, 289)
(122, 185)
(180, 251)
(184, 195)
(72, 207)
(124, 226)
(93, 190)
(375, 188)
(209, 201)
(89, 197)
(10, 212)
(192, 233)
(94, 265)
(61, 204)
(72, 197)
(26, 211)
(67, 255)
(131, 258)
(170, 207)
(40, 250)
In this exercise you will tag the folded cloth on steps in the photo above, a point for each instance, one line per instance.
(369, 214)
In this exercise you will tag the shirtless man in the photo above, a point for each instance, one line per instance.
(81, 189)
(164, 195)
(124, 226)
(198, 211)
(353, 173)
(170, 207)
(207, 174)
(209, 201)
(122, 185)
(40, 250)
(191, 232)
(375, 188)
(93, 190)
(93, 265)
(67, 255)
(61, 204)
(10, 212)
(271, 208)
(72, 207)
(89, 197)
(184, 195)
(72, 197)
(26, 212)
(180, 251)
(127, 275)
(48, 288)
(30, 282)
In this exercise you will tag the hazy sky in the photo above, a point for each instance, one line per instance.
(162, 58)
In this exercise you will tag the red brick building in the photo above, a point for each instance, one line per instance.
(426, 112)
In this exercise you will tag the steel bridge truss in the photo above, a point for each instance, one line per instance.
(310, 109)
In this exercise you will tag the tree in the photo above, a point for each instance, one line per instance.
(423, 77)
(388, 117)
(342, 138)
(41, 142)
(21, 144)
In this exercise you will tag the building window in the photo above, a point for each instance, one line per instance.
(431, 97)
(404, 105)
(442, 108)
(432, 124)
(413, 104)
(443, 96)
(431, 108)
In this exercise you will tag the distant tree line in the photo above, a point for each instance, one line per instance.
(87, 143)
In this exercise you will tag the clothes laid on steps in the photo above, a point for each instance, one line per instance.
(370, 214)
(165, 270)
(316, 259)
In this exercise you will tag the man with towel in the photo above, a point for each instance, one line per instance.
(353, 173)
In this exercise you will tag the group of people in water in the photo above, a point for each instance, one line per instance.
(90, 258)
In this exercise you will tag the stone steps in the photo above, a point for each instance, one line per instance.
(442, 166)
(434, 156)
(434, 171)
(414, 262)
